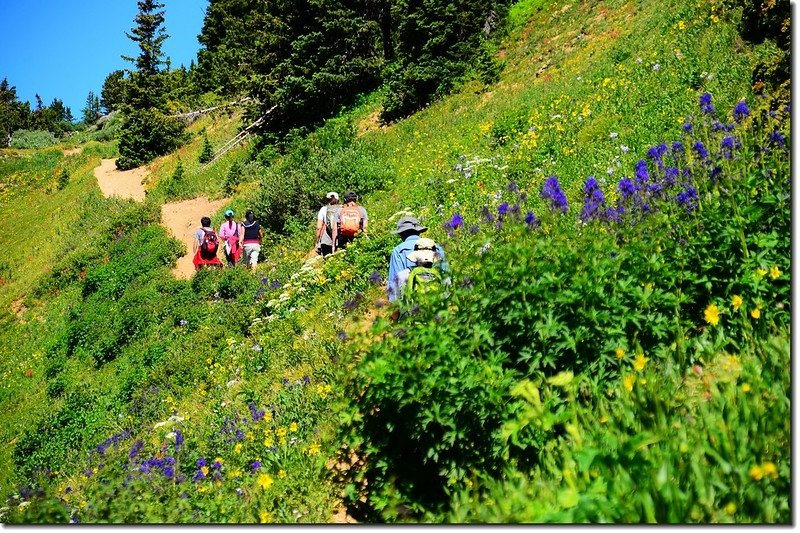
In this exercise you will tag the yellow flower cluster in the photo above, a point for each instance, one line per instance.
(759, 472)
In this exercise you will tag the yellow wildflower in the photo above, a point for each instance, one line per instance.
(714, 19)
(237, 473)
(756, 313)
(238, 447)
(736, 302)
(264, 517)
(204, 470)
(681, 25)
(268, 416)
(774, 272)
(268, 442)
(293, 427)
(745, 388)
(218, 460)
(281, 432)
(770, 470)
(265, 481)
(628, 382)
(620, 353)
(711, 314)
(313, 449)
(730, 508)
(639, 361)
(603, 419)
(282, 473)
(756, 472)
(643, 381)
(760, 273)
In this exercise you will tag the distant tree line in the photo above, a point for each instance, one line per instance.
(16, 115)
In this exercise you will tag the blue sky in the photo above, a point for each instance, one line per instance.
(64, 49)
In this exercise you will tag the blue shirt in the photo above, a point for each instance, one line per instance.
(398, 261)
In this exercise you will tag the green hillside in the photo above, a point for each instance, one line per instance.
(613, 346)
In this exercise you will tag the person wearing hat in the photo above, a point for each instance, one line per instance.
(351, 220)
(326, 225)
(409, 229)
(231, 233)
(252, 234)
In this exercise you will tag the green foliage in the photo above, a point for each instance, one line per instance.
(63, 179)
(147, 134)
(113, 93)
(32, 139)
(436, 44)
(207, 152)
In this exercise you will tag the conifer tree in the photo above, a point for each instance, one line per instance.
(207, 153)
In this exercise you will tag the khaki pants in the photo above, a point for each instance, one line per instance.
(251, 251)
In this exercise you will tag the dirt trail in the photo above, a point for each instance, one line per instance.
(121, 183)
(182, 219)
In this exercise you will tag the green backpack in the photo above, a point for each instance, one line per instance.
(422, 280)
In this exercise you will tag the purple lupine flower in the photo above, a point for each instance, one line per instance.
(531, 220)
(487, 215)
(657, 152)
(778, 139)
(238, 434)
(455, 222)
(552, 191)
(614, 214)
(375, 278)
(641, 171)
(169, 472)
(512, 187)
(135, 449)
(715, 172)
(178, 439)
(687, 127)
(677, 147)
(717, 126)
(255, 413)
(306, 380)
(264, 280)
(741, 111)
(474, 229)
(502, 209)
(701, 150)
(670, 176)
(593, 201)
(342, 336)
(198, 476)
(687, 198)
(101, 449)
(728, 145)
(705, 104)
(201, 462)
(626, 188)
(255, 465)
(181, 478)
(216, 465)
(276, 284)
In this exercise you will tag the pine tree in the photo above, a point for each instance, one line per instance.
(147, 89)
(113, 93)
(207, 153)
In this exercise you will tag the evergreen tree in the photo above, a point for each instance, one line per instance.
(14, 115)
(147, 131)
(91, 111)
(207, 153)
(113, 93)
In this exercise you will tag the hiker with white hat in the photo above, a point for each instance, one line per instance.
(400, 264)
(326, 225)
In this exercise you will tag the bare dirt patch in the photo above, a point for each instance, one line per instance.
(18, 308)
(121, 183)
(182, 219)
(371, 123)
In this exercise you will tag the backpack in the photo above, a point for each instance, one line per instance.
(350, 220)
(210, 242)
(330, 218)
(423, 279)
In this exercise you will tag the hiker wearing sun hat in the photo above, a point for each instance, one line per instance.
(326, 225)
(230, 232)
(409, 229)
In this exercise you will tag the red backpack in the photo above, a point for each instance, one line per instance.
(210, 242)
(350, 220)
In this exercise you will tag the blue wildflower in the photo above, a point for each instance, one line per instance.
(687, 127)
(487, 215)
(512, 187)
(626, 188)
(255, 413)
(456, 221)
(741, 111)
(677, 147)
(687, 198)
(531, 220)
(474, 229)
(135, 449)
(701, 150)
(201, 462)
(276, 284)
(593, 201)
(169, 472)
(376, 278)
(342, 336)
(198, 476)
(705, 104)
(256, 465)
(641, 171)
(552, 191)
(502, 209)
(778, 139)
(307, 380)
(670, 176)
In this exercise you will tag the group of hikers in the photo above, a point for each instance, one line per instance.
(417, 263)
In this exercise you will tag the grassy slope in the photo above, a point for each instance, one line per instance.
(558, 59)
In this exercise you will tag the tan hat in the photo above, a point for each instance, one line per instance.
(422, 256)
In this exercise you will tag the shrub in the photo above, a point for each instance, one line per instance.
(63, 179)
(147, 134)
(32, 139)
(207, 153)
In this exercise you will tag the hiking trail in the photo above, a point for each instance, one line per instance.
(180, 218)
(121, 183)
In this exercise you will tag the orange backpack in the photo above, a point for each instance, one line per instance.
(350, 220)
